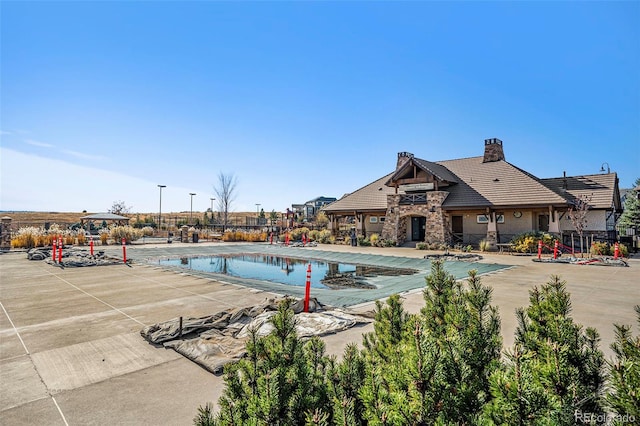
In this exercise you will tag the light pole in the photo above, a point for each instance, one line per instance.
(602, 168)
(191, 214)
(212, 200)
(160, 213)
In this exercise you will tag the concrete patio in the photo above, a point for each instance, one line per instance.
(71, 352)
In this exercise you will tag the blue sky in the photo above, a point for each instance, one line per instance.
(103, 101)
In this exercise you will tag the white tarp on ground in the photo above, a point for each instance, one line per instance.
(218, 339)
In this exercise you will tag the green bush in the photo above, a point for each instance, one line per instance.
(296, 233)
(433, 246)
(599, 248)
(364, 242)
(528, 242)
(388, 243)
(322, 236)
(463, 248)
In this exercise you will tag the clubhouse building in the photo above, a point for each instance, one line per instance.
(463, 201)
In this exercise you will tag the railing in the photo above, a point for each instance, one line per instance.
(413, 199)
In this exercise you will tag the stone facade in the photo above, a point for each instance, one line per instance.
(5, 233)
(438, 223)
(397, 222)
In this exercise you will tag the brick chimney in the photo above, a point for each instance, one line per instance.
(403, 157)
(493, 150)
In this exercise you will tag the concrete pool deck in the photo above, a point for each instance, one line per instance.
(71, 353)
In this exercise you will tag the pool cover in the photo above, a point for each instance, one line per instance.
(215, 340)
(386, 285)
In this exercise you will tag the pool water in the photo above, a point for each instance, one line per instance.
(287, 270)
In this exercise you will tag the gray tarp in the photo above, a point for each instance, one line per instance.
(218, 339)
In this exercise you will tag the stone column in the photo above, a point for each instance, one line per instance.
(492, 230)
(390, 227)
(437, 221)
(554, 223)
(5, 233)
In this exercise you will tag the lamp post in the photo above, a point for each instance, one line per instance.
(191, 212)
(160, 211)
(212, 200)
(602, 168)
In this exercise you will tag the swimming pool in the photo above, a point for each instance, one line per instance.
(288, 270)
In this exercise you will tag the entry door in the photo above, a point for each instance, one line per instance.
(456, 229)
(543, 223)
(418, 224)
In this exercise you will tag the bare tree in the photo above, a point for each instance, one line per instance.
(119, 207)
(226, 192)
(578, 216)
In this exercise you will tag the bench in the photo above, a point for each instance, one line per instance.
(503, 246)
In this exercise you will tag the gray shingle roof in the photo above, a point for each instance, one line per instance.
(601, 187)
(369, 197)
(496, 184)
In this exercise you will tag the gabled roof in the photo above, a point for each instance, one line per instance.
(369, 197)
(496, 184)
(435, 169)
(601, 188)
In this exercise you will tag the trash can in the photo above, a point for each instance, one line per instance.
(194, 237)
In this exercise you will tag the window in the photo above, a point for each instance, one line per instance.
(482, 218)
(373, 219)
(382, 218)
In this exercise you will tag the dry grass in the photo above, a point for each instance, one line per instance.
(67, 218)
